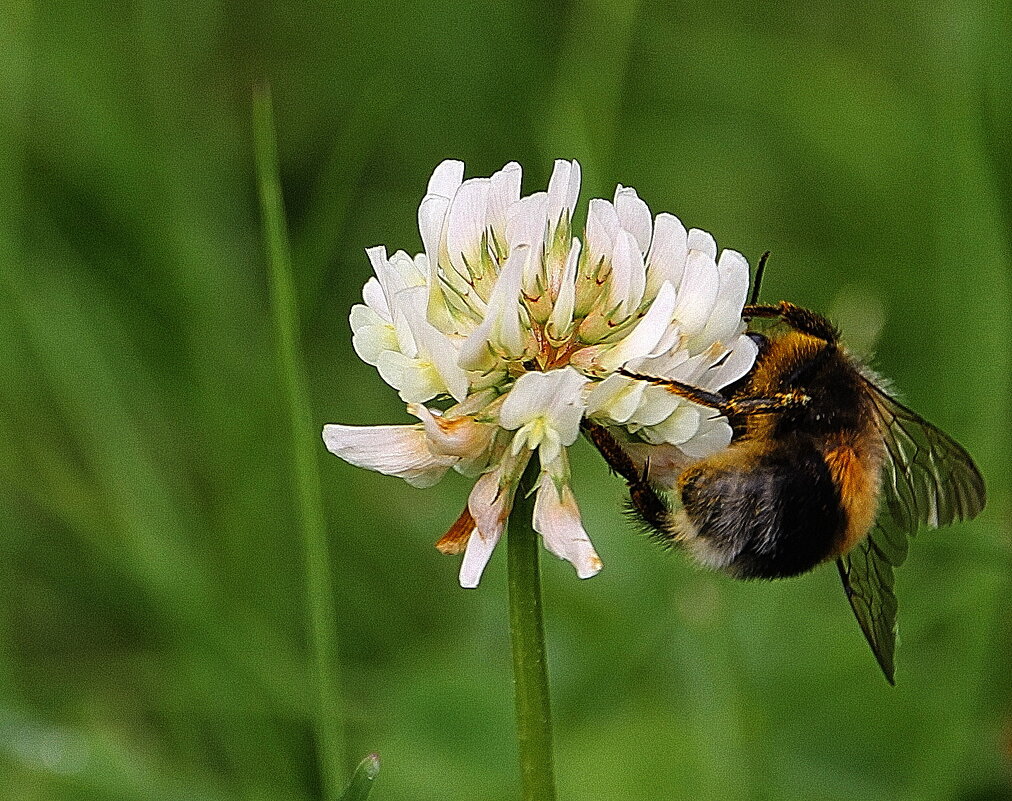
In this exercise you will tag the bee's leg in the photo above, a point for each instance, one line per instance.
(646, 502)
(614, 454)
(777, 402)
(804, 320)
(764, 310)
(712, 400)
(729, 407)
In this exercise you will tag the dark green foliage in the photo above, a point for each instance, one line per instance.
(153, 636)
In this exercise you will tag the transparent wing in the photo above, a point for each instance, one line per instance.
(927, 479)
(867, 574)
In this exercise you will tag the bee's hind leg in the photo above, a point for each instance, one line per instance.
(646, 503)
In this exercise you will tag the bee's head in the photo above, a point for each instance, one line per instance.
(827, 376)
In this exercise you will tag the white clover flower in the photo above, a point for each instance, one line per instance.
(517, 329)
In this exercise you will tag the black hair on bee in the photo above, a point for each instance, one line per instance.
(818, 448)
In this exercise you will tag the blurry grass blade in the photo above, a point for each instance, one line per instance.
(315, 243)
(319, 592)
(361, 782)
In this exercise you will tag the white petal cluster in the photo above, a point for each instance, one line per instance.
(517, 329)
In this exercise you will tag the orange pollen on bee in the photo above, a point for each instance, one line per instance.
(455, 540)
(858, 488)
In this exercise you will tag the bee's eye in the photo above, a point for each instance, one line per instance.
(761, 341)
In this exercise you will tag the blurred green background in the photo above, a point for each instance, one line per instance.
(153, 641)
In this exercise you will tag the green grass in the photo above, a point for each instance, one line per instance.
(154, 636)
(305, 476)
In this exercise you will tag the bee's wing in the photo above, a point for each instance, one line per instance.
(928, 479)
(867, 574)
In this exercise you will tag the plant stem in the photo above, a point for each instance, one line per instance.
(306, 479)
(527, 635)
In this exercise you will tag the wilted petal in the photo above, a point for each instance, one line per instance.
(557, 519)
(490, 502)
(453, 436)
(400, 451)
(455, 540)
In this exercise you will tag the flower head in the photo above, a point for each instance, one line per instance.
(517, 330)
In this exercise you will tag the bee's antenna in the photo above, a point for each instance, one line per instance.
(758, 280)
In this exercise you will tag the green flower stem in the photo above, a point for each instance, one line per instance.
(306, 479)
(527, 634)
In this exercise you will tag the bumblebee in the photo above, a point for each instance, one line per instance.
(824, 465)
